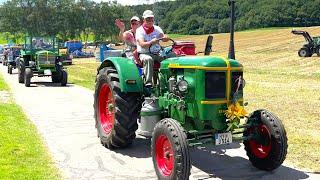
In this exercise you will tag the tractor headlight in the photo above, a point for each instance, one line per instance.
(32, 63)
(183, 86)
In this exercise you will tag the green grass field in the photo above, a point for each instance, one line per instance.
(22, 152)
(277, 80)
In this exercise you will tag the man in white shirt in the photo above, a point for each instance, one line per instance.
(147, 37)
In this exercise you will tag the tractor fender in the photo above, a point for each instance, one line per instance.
(130, 80)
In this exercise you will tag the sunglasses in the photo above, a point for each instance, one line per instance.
(149, 19)
(134, 23)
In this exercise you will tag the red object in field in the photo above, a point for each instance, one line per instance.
(182, 48)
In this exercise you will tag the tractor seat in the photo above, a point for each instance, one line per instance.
(139, 63)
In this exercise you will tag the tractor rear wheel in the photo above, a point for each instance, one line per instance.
(268, 147)
(169, 149)
(115, 112)
(304, 52)
(64, 78)
(27, 77)
(21, 69)
(318, 51)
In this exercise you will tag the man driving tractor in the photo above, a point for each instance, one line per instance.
(147, 37)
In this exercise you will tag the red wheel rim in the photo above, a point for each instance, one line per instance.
(258, 149)
(106, 108)
(164, 155)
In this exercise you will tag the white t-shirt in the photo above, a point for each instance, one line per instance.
(140, 33)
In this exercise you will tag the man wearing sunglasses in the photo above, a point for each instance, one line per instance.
(128, 37)
(147, 37)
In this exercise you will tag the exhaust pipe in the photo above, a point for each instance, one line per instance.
(231, 46)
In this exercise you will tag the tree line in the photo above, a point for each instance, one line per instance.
(71, 19)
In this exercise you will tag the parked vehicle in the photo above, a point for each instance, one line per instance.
(40, 57)
(14, 53)
(1, 53)
(197, 100)
(4, 59)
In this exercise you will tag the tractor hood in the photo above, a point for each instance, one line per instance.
(199, 61)
(316, 40)
(44, 52)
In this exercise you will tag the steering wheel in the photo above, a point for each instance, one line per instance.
(162, 46)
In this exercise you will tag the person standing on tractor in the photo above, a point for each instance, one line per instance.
(148, 36)
(128, 37)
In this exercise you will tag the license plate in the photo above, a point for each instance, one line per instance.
(47, 72)
(223, 138)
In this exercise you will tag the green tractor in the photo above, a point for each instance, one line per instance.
(197, 100)
(40, 57)
(312, 46)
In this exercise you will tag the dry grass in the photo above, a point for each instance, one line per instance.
(277, 80)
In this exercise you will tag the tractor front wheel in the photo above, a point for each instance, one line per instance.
(304, 52)
(55, 78)
(21, 69)
(27, 77)
(10, 69)
(115, 112)
(64, 78)
(169, 149)
(267, 143)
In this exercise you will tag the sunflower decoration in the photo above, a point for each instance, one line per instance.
(234, 113)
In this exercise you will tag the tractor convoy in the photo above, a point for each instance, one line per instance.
(40, 57)
(196, 100)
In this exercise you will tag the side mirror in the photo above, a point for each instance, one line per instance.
(208, 48)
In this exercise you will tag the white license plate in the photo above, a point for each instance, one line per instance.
(223, 138)
(47, 72)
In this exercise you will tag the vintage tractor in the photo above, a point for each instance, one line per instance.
(40, 57)
(198, 100)
(312, 46)
(14, 52)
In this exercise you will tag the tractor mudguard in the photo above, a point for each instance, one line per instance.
(130, 80)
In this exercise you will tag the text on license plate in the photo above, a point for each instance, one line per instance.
(223, 138)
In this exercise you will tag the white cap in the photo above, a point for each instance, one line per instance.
(135, 18)
(147, 13)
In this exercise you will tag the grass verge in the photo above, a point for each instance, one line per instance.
(22, 152)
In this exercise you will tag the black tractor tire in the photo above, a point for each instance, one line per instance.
(318, 51)
(56, 78)
(120, 115)
(27, 77)
(270, 152)
(64, 78)
(169, 150)
(304, 52)
(10, 69)
(21, 70)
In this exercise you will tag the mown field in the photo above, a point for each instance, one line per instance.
(23, 154)
(277, 80)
